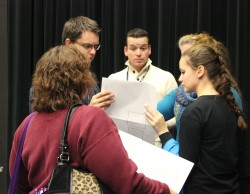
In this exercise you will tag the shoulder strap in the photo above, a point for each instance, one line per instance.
(16, 170)
(63, 157)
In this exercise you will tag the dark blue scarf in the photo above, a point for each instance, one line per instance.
(182, 100)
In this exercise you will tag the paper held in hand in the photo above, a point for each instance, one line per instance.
(128, 109)
(138, 136)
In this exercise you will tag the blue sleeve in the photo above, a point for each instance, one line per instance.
(237, 98)
(166, 105)
(172, 146)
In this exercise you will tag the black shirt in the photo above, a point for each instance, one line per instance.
(209, 137)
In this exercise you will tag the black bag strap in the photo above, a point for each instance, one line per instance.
(63, 157)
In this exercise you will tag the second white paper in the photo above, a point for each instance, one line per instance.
(157, 163)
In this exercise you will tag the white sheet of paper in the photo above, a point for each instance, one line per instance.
(128, 109)
(157, 163)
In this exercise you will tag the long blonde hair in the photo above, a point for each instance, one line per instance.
(217, 74)
(219, 48)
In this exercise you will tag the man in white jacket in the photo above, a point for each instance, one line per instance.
(140, 68)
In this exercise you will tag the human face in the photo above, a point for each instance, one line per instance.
(184, 47)
(88, 39)
(188, 77)
(137, 51)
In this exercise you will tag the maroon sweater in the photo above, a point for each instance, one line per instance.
(94, 143)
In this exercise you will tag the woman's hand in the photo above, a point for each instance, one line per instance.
(156, 120)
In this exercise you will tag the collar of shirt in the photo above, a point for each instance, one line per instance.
(142, 72)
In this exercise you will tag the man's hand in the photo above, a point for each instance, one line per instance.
(102, 100)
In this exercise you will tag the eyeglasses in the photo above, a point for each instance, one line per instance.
(89, 47)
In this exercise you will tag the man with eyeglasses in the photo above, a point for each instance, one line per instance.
(84, 32)
(140, 68)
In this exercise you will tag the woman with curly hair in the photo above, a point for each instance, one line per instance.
(62, 79)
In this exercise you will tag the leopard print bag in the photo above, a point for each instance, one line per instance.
(68, 180)
(85, 182)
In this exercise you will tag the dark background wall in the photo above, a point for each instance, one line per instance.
(29, 28)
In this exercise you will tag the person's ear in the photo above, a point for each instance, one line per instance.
(125, 50)
(67, 41)
(200, 71)
(149, 49)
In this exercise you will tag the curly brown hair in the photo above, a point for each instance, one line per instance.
(62, 78)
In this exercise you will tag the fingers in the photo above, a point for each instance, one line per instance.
(105, 93)
(156, 120)
(148, 108)
(151, 115)
(152, 111)
(102, 100)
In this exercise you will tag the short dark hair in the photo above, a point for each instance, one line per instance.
(74, 28)
(137, 33)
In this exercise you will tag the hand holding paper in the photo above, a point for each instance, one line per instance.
(128, 111)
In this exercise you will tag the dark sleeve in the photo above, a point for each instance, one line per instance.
(97, 89)
(190, 135)
(165, 137)
(244, 160)
(31, 99)
(90, 94)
